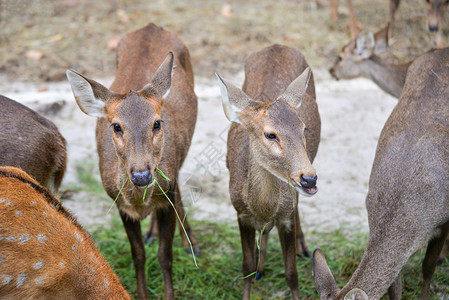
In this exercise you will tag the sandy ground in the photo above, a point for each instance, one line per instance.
(352, 115)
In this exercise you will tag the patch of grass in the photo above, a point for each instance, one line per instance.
(219, 275)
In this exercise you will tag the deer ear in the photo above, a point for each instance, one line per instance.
(159, 85)
(381, 40)
(295, 92)
(356, 294)
(90, 95)
(364, 44)
(234, 100)
(322, 276)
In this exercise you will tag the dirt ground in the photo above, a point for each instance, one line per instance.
(40, 39)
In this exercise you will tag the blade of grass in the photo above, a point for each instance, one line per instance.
(258, 243)
(180, 222)
(123, 185)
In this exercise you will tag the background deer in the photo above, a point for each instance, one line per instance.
(408, 197)
(145, 123)
(359, 58)
(44, 252)
(31, 142)
(267, 156)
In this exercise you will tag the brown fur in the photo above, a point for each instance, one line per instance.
(258, 196)
(44, 252)
(408, 198)
(31, 142)
(136, 102)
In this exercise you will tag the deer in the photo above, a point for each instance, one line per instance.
(144, 130)
(33, 143)
(273, 117)
(45, 253)
(360, 58)
(408, 196)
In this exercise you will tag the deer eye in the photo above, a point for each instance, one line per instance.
(271, 136)
(116, 127)
(157, 125)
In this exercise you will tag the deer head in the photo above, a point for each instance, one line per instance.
(436, 9)
(276, 132)
(135, 119)
(349, 63)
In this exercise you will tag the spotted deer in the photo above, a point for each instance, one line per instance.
(359, 58)
(145, 124)
(408, 197)
(273, 118)
(44, 251)
(31, 142)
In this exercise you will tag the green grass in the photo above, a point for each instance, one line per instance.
(219, 274)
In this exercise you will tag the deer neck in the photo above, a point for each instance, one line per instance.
(263, 192)
(389, 77)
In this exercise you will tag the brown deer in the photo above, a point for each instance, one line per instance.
(274, 117)
(45, 253)
(408, 197)
(359, 58)
(145, 123)
(31, 142)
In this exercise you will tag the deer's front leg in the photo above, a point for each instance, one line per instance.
(166, 220)
(134, 232)
(287, 237)
(247, 237)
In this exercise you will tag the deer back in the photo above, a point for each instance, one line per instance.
(44, 252)
(31, 142)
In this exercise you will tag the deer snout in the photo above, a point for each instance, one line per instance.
(308, 182)
(433, 28)
(141, 178)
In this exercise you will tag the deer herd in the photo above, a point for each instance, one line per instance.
(145, 124)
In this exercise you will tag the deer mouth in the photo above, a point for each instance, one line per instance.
(309, 191)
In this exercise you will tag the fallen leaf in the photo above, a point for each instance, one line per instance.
(113, 42)
(44, 89)
(34, 54)
(226, 11)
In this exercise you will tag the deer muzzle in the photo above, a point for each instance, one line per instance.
(143, 178)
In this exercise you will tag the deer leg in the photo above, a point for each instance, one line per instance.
(334, 10)
(166, 220)
(182, 215)
(355, 26)
(430, 259)
(395, 290)
(445, 250)
(287, 238)
(247, 238)
(152, 232)
(301, 246)
(134, 232)
(260, 256)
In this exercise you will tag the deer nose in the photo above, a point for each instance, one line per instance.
(433, 28)
(141, 178)
(332, 72)
(308, 182)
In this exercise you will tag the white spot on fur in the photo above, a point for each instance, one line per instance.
(2, 200)
(74, 247)
(106, 284)
(21, 279)
(18, 213)
(33, 203)
(42, 238)
(78, 237)
(7, 280)
(39, 265)
(45, 214)
(1, 237)
(61, 265)
(24, 238)
(11, 238)
(39, 280)
(8, 203)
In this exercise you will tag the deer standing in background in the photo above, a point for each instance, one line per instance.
(408, 197)
(145, 123)
(31, 142)
(274, 117)
(44, 252)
